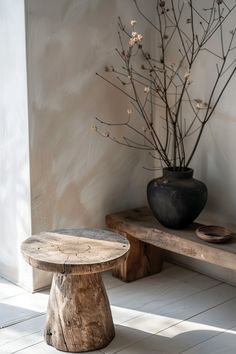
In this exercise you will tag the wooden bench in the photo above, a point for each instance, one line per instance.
(148, 239)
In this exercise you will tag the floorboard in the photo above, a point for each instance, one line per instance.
(174, 312)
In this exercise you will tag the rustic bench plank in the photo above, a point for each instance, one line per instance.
(141, 225)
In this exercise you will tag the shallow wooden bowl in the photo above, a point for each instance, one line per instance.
(215, 234)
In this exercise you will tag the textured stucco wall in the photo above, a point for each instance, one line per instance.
(76, 175)
(15, 215)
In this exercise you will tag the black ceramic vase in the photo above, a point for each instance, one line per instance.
(176, 198)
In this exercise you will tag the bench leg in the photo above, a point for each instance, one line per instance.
(143, 259)
(79, 317)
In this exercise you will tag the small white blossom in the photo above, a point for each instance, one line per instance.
(94, 127)
(146, 89)
(136, 37)
(139, 37)
(133, 23)
(129, 111)
(187, 74)
(132, 41)
(106, 134)
(201, 105)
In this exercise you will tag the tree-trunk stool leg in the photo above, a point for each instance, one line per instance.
(79, 316)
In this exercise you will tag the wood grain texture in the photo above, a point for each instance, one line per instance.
(79, 317)
(75, 251)
(142, 225)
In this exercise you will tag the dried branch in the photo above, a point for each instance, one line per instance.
(159, 86)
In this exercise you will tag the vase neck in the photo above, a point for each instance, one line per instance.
(178, 174)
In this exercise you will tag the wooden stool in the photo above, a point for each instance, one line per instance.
(79, 316)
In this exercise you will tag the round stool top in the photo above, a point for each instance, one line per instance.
(75, 251)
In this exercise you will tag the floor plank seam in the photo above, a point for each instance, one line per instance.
(206, 340)
(15, 340)
(170, 304)
(11, 296)
(177, 323)
(210, 308)
(197, 314)
(129, 345)
(185, 297)
(22, 320)
(29, 346)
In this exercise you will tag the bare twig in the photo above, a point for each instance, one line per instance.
(158, 84)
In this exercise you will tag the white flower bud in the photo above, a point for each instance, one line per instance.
(186, 75)
(139, 37)
(106, 134)
(202, 105)
(94, 127)
(136, 37)
(129, 111)
(132, 41)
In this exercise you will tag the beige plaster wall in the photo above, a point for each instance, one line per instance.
(77, 177)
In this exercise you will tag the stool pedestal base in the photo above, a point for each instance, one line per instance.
(79, 317)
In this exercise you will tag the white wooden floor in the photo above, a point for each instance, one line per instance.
(176, 311)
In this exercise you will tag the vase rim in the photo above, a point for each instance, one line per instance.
(185, 172)
(178, 169)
